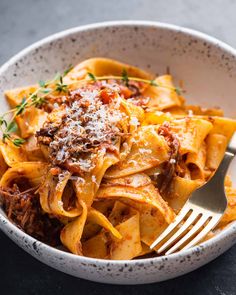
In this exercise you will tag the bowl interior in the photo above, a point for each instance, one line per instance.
(205, 66)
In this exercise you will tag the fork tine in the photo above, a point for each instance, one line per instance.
(193, 230)
(212, 223)
(192, 217)
(169, 229)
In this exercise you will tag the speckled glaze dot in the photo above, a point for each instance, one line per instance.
(207, 67)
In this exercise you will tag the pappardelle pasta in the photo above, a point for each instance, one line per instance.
(100, 159)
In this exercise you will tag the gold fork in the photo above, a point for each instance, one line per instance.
(201, 212)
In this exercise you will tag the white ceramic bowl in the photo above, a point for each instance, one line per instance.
(208, 68)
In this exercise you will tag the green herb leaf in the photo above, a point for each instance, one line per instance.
(42, 83)
(11, 127)
(67, 70)
(61, 87)
(153, 83)
(34, 99)
(45, 90)
(178, 91)
(21, 107)
(5, 136)
(92, 77)
(3, 121)
(38, 101)
(125, 77)
(18, 141)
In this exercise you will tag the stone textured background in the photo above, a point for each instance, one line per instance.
(23, 22)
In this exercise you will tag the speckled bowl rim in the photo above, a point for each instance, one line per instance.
(10, 227)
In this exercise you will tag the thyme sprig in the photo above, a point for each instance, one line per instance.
(92, 77)
(126, 79)
(60, 86)
(36, 99)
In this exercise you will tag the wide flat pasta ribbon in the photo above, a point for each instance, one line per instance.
(148, 150)
(86, 187)
(51, 196)
(216, 145)
(220, 125)
(146, 194)
(32, 118)
(15, 96)
(100, 219)
(12, 155)
(152, 223)
(34, 172)
(103, 67)
(163, 97)
(190, 132)
(130, 245)
(199, 111)
(223, 126)
(196, 163)
(155, 117)
(71, 234)
(32, 150)
(180, 190)
(96, 247)
(126, 222)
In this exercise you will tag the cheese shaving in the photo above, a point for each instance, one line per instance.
(87, 124)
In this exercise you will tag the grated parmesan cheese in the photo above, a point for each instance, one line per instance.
(86, 124)
(94, 179)
(190, 113)
(60, 203)
(145, 151)
(134, 121)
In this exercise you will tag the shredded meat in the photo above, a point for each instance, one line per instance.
(75, 131)
(23, 208)
(169, 167)
(86, 121)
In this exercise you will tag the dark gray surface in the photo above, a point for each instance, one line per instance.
(23, 22)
